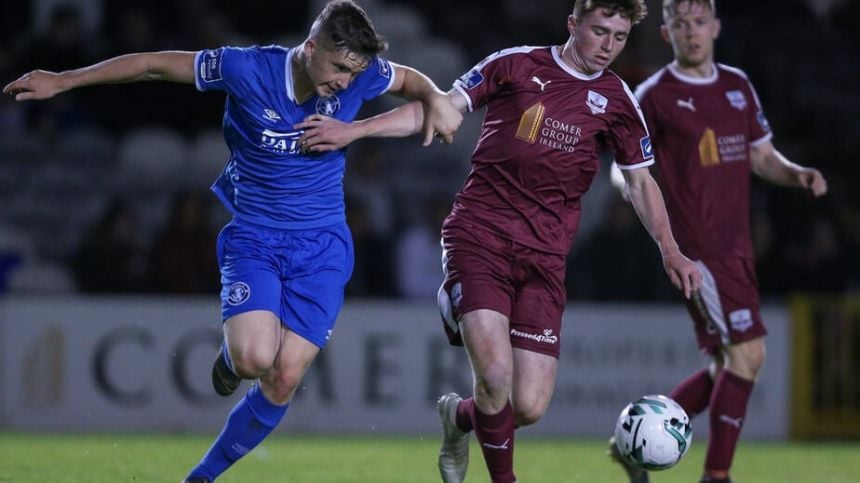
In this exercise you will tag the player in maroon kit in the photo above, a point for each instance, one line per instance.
(709, 134)
(550, 111)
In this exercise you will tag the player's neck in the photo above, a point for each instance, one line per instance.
(303, 88)
(702, 70)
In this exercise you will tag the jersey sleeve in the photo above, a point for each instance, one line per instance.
(483, 80)
(759, 126)
(628, 134)
(376, 80)
(227, 69)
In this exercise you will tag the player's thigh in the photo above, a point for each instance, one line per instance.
(313, 291)
(485, 334)
(294, 357)
(533, 384)
(253, 339)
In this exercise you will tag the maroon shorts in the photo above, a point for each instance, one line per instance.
(485, 271)
(726, 308)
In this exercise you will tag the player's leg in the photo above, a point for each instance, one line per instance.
(486, 336)
(732, 389)
(533, 385)
(730, 327)
(254, 339)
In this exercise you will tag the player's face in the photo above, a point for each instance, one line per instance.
(691, 31)
(331, 70)
(598, 38)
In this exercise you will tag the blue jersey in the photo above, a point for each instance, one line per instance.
(268, 181)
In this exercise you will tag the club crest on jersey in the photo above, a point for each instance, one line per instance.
(597, 103)
(645, 146)
(472, 79)
(238, 293)
(737, 99)
(281, 142)
(328, 106)
(210, 65)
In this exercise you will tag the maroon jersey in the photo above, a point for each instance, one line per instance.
(537, 154)
(702, 130)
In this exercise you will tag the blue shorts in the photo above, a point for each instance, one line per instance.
(299, 275)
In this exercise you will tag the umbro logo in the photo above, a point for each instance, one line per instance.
(271, 115)
(540, 83)
(688, 104)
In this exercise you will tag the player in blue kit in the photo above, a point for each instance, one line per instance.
(287, 254)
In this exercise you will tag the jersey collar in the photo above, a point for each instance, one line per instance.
(688, 79)
(570, 70)
(288, 75)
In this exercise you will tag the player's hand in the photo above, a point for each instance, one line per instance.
(38, 84)
(442, 119)
(683, 273)
(323, 133)
(813, 180)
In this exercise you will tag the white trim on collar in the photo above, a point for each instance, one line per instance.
(688, 79)
(570, 70)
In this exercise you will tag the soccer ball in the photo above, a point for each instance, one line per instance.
(653, 433)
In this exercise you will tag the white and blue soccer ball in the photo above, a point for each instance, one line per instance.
(653, 433)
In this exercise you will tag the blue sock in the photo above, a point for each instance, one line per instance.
(247, 425)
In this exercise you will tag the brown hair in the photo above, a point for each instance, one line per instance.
(670, 7)
(346, 26)
(633, 10)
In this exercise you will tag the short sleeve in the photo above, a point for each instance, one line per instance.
(376, 80)
(483, 80)
(225, 69)
(628, 134)
(757, 122)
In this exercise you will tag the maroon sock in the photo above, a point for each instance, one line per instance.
(495, 433)
(728, 409)
(694, 393)
(465, 413)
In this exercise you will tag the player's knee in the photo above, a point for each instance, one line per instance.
(495, 381)
(528, 415)
(251, 364)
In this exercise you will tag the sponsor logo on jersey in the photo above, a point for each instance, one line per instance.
(384, 69)
(530, 123)
(328, 106)
(741, 319)
(597, 103)
(709, 153)
(737, 99)
(210, 65)
(647, 149)
(545, 338)
(238, 293)
(472, 79)
(271, 115)
(281, 142)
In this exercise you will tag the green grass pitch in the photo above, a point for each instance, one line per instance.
(310, 459)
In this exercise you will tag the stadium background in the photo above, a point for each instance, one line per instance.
(106, 227)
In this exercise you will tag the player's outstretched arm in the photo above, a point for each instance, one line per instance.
(440, 116)
(771, 165)
(648, 201)
(323, 133)
(175, 66)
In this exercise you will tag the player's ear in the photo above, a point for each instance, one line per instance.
(664, 32)
(571, 24)
(717, 27)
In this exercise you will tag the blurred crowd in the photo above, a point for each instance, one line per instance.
(105, 189)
